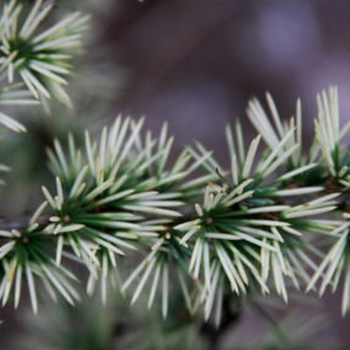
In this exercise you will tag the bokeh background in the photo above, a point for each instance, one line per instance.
(195, 64)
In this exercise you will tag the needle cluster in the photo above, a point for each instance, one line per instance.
(274, 217)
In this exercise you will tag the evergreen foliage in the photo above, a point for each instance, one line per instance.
(277, 219)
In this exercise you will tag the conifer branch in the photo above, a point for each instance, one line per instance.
(187, 221)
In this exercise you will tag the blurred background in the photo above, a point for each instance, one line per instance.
(195, 64)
